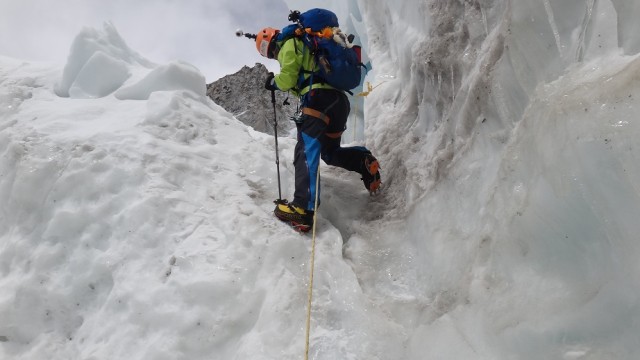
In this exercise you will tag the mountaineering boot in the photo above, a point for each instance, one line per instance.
(370, 174)
(300, 219)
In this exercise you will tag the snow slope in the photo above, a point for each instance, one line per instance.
(137, 221)
(136, 214)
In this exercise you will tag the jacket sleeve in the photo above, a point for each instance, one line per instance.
(290, 65)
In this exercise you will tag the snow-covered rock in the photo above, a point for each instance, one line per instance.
(173, 76)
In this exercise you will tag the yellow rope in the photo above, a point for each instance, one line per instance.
(313, 256)
(355, 122)
(313, 239)
(355, 113)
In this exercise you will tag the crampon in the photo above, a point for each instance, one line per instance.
(371, 175)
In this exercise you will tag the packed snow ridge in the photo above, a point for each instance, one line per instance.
(100, 63)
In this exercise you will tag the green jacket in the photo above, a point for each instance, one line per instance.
(294, 57)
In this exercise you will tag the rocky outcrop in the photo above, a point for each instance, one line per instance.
(243, 94)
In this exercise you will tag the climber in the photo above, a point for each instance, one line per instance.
(324, 113)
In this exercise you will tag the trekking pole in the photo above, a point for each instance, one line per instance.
(240, 33)
(275, 134)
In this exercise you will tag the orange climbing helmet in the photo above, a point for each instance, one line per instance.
(263, 41)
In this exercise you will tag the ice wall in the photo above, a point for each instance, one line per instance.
(507, 132)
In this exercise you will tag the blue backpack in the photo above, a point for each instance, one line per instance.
(339, 61)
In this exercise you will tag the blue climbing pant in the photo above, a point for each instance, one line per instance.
(319, 133)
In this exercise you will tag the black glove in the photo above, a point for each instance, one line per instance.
(270, 84)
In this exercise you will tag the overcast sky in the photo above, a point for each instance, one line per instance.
(201, 32)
